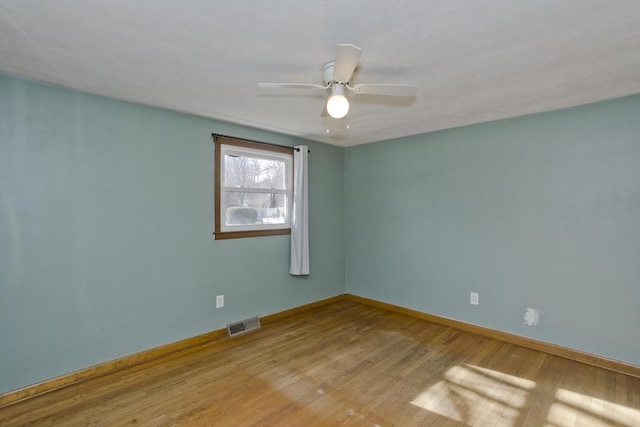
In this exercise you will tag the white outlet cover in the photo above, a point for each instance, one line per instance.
(220, 301)
(474, 298)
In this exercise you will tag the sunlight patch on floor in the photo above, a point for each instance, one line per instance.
(476, 396)
(571, 407)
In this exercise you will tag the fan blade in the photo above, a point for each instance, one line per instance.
(290, 86)
(347, 57)
(384, 89)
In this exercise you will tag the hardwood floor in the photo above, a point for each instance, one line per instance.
(345, 364)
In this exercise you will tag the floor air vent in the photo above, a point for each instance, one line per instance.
(243, 326)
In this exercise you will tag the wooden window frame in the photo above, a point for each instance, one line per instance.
(220, 140)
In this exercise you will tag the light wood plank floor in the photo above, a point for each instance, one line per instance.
(345, 364)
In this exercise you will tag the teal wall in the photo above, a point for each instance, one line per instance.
(106, 222)
(539, 211)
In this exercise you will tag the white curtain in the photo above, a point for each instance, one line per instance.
(300, 215)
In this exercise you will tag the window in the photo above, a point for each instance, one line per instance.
(253, 183)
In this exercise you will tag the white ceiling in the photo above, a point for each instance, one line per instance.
(473, 61)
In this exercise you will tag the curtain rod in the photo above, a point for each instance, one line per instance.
(257, 142)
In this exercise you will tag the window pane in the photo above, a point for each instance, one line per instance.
(252, 172)
(255, 208)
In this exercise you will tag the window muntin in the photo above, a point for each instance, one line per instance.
(253, 189)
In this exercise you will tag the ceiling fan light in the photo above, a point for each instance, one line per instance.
(337, 105)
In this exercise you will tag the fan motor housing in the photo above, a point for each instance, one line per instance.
(327, 72)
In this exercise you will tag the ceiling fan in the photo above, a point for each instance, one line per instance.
(336, 76)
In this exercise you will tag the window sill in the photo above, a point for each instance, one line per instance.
(223, 235)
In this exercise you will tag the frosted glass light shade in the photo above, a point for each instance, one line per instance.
(337, 105)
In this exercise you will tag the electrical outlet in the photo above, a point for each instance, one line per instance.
(220, 301)
(475, 298)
